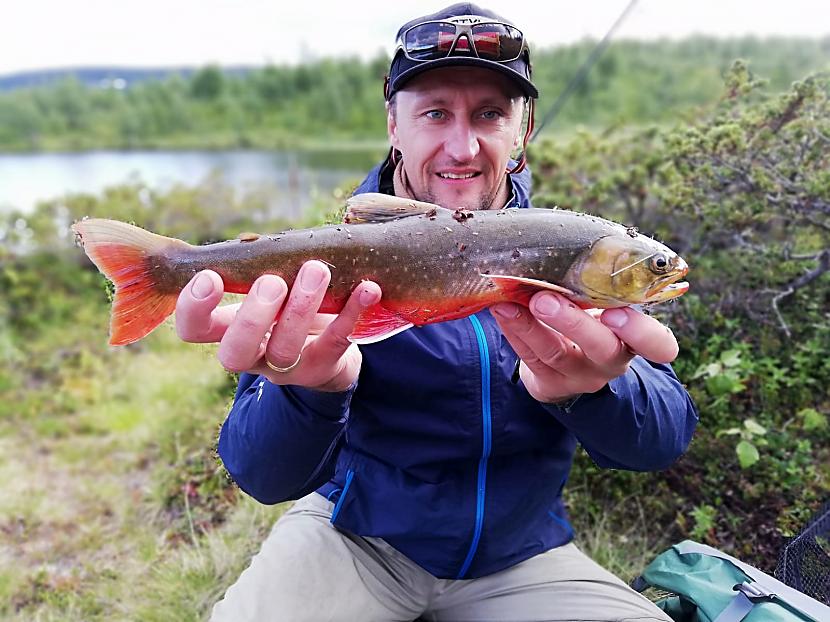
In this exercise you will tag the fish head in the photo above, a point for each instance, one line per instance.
(620, 270)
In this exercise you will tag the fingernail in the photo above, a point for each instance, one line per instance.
(507, 311)
(202, 287)
(268, 289)
(615, 317)
(547, 305)
(367, 297)
(311, 276)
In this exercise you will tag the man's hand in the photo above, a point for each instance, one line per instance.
(248, 336)
(566, 351)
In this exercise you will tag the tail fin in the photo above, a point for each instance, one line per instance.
(122, 253)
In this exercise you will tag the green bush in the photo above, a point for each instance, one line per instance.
(743, 194)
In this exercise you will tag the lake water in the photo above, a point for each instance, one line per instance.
(291, 179)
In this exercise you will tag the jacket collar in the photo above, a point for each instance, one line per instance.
(379, 179)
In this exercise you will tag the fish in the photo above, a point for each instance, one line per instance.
(432, 263)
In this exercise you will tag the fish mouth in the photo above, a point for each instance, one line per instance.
(667, 292)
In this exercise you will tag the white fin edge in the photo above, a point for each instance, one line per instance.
(364, 341)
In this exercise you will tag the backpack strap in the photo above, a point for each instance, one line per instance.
(748, 594)
(737, 610)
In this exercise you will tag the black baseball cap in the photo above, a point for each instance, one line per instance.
(404, 68)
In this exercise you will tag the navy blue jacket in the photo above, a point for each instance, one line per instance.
(438, 451)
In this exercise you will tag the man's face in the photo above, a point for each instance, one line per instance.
(456, 128)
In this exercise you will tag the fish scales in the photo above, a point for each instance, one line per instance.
(428, 267)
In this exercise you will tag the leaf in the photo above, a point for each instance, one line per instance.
(754, 428)
(713, 369)
(813, 419)
(728, 431)
(723, 384)
(747, 454)
(730, 358)
(704, 517)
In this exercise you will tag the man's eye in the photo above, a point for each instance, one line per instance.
(435, 114)
(491, 115)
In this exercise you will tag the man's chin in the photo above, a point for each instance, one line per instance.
(472, 199)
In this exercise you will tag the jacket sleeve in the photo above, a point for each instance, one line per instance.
(279, 442)
(641, 421)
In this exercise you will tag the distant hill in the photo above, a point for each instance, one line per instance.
(117, 77)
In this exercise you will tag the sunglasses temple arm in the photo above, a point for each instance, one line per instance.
(522, 162)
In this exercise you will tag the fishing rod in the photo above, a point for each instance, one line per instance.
(582, 72)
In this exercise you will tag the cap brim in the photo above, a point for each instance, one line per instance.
(416, 68)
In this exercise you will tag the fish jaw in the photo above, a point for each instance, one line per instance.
(667, 292)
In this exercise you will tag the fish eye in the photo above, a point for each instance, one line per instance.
(660, 263)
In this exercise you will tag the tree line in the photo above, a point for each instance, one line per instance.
(341, 99)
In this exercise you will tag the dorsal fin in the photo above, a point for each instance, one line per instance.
(377, 207)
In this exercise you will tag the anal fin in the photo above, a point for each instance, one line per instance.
(377, 323)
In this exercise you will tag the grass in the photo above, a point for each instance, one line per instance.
(625, 553)
(112, 504)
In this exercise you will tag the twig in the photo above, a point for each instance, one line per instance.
(737, 170)
(818, 223)
(805, 279)
(189, 517)
(788, 114)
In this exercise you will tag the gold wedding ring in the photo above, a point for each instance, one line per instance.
(283, 370)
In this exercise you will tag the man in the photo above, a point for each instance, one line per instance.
(429, 474)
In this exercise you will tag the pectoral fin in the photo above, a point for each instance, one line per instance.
(521, 289)
(377, 323)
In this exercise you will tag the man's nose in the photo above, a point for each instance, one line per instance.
(462, 142)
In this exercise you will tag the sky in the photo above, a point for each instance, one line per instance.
(46, 34)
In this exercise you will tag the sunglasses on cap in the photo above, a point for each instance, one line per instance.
(468, 35)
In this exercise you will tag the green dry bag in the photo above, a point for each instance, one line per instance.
(710, 586)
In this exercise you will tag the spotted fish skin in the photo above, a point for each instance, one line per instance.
(432, 264)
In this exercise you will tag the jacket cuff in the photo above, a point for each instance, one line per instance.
(575, 403)
(567, 405)
(333, 406)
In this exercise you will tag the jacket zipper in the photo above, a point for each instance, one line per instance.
(339, 504)
(484, 358)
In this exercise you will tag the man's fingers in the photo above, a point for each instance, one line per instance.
(597, 341)
(240, 348)
(198, 320)
(334, 341)
(298, 316)
(321, 322)
(642, 334)
(534, 343)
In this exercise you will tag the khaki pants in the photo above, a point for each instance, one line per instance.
(309, 571)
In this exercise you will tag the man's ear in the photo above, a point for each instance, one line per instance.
(392, 127)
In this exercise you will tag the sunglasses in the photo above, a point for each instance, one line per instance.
(463, 36)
